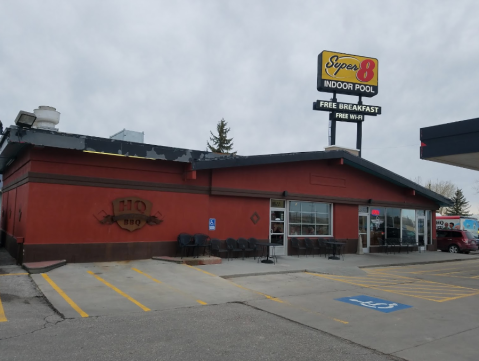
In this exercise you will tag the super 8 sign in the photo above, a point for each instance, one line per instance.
(347, 74)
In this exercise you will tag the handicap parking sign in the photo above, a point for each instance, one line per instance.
(374, 303)
(212, 224)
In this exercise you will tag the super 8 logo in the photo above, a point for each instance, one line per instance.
(347, 74)
(364, 73)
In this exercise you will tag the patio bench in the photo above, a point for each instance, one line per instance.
(393, 243)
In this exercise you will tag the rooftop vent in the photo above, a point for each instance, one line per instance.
(337, 147)
(47, 118)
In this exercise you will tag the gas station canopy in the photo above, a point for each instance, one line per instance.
(454, 143)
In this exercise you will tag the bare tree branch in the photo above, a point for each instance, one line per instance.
(444, 188)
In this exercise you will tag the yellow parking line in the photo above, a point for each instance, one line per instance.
(199, 269)
(14, 274)
(428, 290)
(436, 283)
(3, 318)
(276, 299)
(64, 295)
(170, 287)
(460, 296)
(144, 308)
(272, 298)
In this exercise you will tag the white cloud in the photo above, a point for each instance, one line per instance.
(174, 69)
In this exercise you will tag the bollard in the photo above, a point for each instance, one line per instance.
(360, 245)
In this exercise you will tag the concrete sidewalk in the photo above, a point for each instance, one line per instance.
(351, 265)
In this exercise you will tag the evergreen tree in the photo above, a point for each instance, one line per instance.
(221, 143)
(460, 206)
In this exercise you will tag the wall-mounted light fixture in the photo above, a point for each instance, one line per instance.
(25, 119)
(370, 201)
(285, 193)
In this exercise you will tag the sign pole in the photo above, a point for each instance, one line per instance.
(332, 130)
(359, 136)
(348, 74)
(359, 130)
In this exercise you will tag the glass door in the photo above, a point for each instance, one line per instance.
(363, 231)
(277, 225)
(421, 231)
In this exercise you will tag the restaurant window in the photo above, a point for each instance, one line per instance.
(408, 229)
(309, 219)
(393, 223)
(377, 219)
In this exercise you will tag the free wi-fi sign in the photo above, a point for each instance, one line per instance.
(347, 74)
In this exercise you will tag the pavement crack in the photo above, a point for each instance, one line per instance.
(437, 339)
(46, 324)
(374, 351)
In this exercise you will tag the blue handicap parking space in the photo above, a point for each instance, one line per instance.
(374, 303)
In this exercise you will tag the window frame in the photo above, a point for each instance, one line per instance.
(300, 224)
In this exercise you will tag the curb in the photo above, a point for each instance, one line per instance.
(42, 267)
(263, 273)
(190, 261)
(415, 263)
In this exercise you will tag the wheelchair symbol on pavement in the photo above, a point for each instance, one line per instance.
(371, 304)
(374, 303)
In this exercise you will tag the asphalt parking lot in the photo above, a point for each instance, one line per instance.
(419, 312)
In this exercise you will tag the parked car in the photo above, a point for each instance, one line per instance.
(456, 241)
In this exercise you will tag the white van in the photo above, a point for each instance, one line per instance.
(458, 222)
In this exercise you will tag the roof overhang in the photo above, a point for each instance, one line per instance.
(346, 157)
(15, 139)
(454, 143)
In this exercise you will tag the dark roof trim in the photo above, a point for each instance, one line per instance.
(348, 158)
(15, 139)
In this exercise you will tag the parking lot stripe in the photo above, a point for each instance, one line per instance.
(275, 299)
(170, 287)
(407, 286)
(14, 274)
(65, 296)
(144, 308)
(129, 298)
(3, 318)
(199, 269)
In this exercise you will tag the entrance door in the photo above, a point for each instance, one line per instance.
(278, 225)
(364, 231)
(421, 231)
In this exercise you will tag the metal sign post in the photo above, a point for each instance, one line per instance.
(351, 75)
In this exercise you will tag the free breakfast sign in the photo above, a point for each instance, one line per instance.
(374, 303)
(347, 74)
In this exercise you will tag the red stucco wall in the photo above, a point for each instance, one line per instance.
(306, 178)
(70, 213)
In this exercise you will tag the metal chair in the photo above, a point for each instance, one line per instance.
(295, 244)
(252, 247)
(328, 249)
(201, 241)
(309, 244)
(216, 248)
(232, 247)
(243, 244)
(184, 243)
